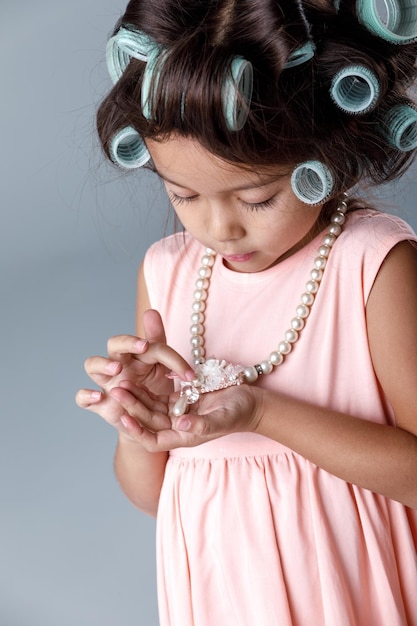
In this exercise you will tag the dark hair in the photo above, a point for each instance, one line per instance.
(292, 117)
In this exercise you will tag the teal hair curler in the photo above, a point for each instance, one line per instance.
(355, 89)
(128, 149)
(312, 182)
(237, 93)
(301, 55)
(398, 25)
(399, 127)
(236, 90)
(124, 45)
(150, 80)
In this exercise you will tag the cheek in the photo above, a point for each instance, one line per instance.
(188, 218)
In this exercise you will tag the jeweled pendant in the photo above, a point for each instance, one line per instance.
(212, 375)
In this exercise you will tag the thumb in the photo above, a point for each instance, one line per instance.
(193, 424)
(153, 327)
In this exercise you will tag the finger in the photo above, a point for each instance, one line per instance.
(120, 346)
(87, 397)
(101, 369)
(153, 353)
(144, 395)
(155, 334)
(150, 413)
(154, 327)
(101, 404)
(197, 425)
(131, 426)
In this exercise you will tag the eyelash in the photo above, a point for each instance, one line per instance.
(255, 206)
(180, 199)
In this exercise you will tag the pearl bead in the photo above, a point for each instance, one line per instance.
(307, 299)
(329, 239)
(197, 318)
(199, 306)
(324, 251)
(338, 218)
(200, 294)
(276, 358)
(202, 283)
(207, 260)
(180, 406)
(197, 329)
(266, 366)
(312, 286)
(197, 341)
(291, 335)
(285, 347)
(320, 262)
(250, 374)
(342, 207)
(302, 311)
(317, 274)
(335, 229)
(297, 323)
(204, 272)
(198, 352)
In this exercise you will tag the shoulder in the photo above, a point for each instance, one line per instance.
(369, 227)
(366, 240)
(369, 235)
(172, 248)
(169, 262)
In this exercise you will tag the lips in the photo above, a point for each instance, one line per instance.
(238, 258)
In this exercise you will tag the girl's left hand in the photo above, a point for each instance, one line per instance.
(236, 409)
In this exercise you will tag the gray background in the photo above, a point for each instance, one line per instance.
(73, 551)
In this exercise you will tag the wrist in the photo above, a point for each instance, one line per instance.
(258, 412)
(265, 401)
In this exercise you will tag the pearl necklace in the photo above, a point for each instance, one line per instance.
(213, 374)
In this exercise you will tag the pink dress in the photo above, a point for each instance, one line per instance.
(249, 532)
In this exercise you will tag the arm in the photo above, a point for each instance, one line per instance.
(378, 457)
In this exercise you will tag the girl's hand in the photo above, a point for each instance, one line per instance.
(236, 409)
(137, 360)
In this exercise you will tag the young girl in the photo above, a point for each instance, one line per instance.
(267, 408)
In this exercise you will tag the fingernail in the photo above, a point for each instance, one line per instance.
(183, 425)
(125, 422)
(189, 375)
(95, 395)
(141, 344)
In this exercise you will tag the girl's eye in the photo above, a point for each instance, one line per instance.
(252, 206)
(176, 199)
(256, 206)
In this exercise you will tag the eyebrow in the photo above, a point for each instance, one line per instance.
(251, 185)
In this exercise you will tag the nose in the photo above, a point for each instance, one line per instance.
(225, 223)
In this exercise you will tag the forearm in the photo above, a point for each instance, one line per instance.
(140, 473)
(374, 456)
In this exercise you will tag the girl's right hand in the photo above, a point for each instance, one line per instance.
(142, 361)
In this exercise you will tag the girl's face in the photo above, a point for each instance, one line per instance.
(252, 219)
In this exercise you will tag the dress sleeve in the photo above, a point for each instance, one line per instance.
(377, 234)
